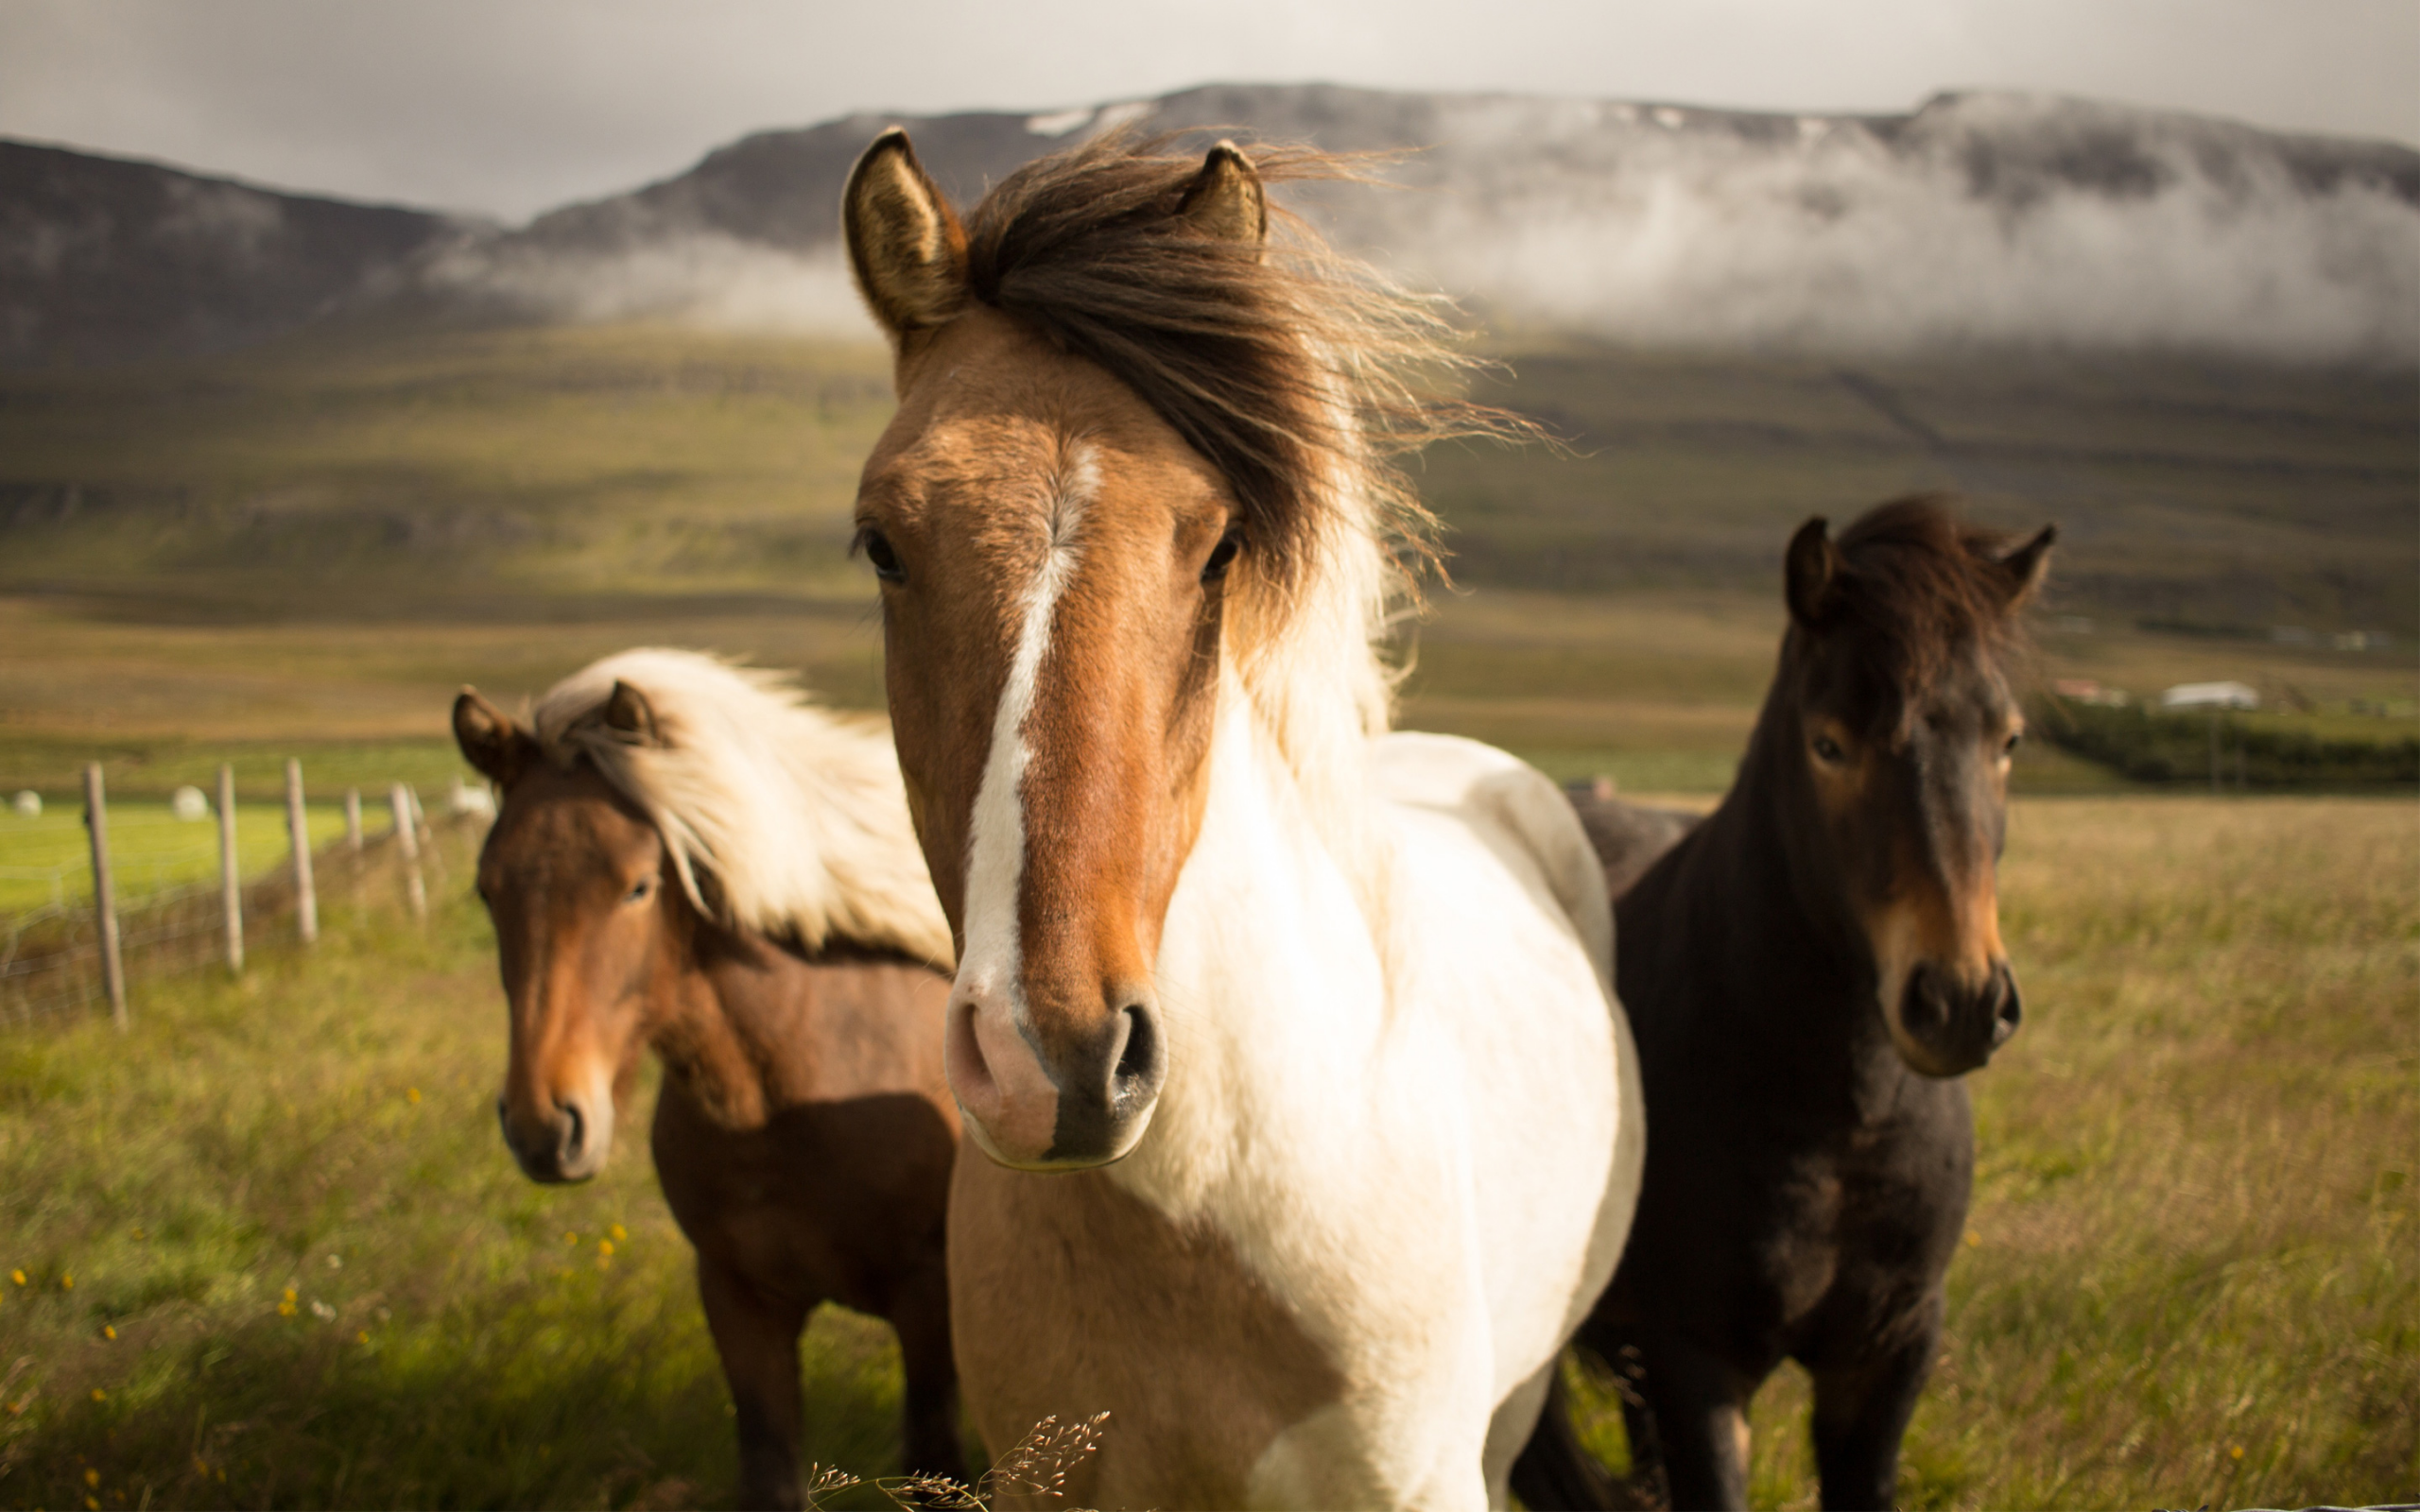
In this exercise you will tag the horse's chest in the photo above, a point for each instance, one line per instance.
(1071, 1297)
(1856, 1229)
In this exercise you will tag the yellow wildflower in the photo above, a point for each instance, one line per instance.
(2235, 1453)
(99, 1395)
(570, 1238)
(17, 1276)
(362, 1337)
(107, 1332)
(411, 1094)
(604, 1246)
(92, 1477)
(619, 1233)
(1974, 1240)
(67, 1283)
(92, 1503)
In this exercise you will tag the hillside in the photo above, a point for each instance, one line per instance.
(420, 471)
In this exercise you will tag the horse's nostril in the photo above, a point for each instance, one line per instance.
(575, 1130)
(2011, 1010)
(1138, 1061)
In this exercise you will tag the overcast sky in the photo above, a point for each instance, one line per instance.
(509, 107)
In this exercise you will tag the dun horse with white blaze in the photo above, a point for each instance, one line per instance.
(689, 860)
(1313, 1127)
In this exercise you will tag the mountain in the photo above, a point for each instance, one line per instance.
(104, 260)
(1979, 218)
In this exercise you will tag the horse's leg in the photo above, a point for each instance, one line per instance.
(1861, 1411)
(929, 1430)
(756, 1334)
(1700, 1405)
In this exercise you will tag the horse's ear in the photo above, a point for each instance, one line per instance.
(2029, 564)
(906, 246)
(629, 713)
(1810, 568)
(490, 740)
(1226, 201)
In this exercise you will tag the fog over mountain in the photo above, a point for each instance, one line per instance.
(1977, 218)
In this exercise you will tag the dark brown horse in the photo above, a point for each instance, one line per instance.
(1810, 972)
(687, 860)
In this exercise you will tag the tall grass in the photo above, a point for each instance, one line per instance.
(2193, 1271)
(273, 1253)
(2190, 1278)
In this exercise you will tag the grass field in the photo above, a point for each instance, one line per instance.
(48, 858)
(2190, 1280)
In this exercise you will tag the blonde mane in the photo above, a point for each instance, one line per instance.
(797, 816)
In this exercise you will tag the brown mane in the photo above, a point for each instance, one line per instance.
(1290, 368)
(1921, 586)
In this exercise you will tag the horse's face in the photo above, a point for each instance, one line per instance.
(1908, 787)
(574, 881)
(1053, 560)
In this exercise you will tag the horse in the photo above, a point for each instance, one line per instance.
(688, 858)
(1310, 1126)
(1810, 971)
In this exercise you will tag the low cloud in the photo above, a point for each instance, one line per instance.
(703, 279)
(1839, 237)
(1977, 219)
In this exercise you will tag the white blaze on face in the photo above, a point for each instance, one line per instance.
(988, 972)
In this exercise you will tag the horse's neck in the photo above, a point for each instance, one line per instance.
(1760, 955)
(735, 1029)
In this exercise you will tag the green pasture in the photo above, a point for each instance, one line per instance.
(151, 851)
(273, 1253)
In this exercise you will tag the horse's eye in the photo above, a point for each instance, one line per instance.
(1222, 556)
(640, 890)
(2016, 738)
(878, 551)
(1828, 748)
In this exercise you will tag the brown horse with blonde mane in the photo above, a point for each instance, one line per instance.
(1810, 971)
(1311, 1127)
(688, 859)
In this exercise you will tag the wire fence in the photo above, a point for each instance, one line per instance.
(54, 956)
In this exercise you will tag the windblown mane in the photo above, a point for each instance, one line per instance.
(1296, 372)
(1924, 585)
(797, 817)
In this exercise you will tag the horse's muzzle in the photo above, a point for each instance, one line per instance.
(1064, 1101)
(1948, 1027)
(567, 1141)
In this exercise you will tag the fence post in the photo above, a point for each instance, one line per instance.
(97, 818)
(306, 902)
(407, 837)
(230, 877)
(353, 819)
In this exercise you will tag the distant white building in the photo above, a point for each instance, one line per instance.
(2210, 696)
